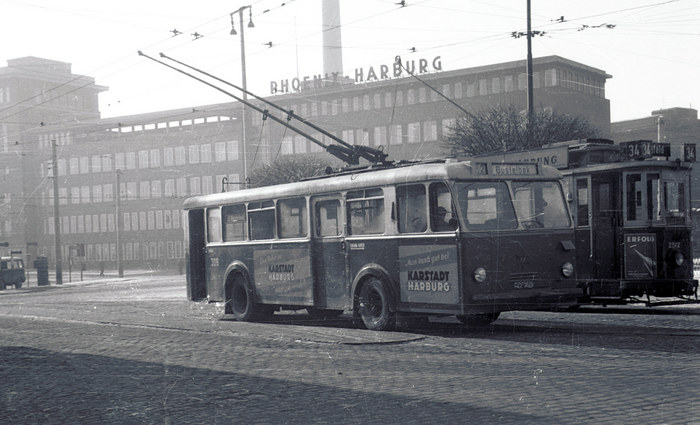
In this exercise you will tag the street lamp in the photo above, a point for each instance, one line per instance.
(243, 76)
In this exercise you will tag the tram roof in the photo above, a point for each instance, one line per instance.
(357, 179)
(646, 164)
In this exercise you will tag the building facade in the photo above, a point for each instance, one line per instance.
(126, 178)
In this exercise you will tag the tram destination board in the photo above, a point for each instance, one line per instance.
(641, 149)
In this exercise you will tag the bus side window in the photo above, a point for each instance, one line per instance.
(365, 212)
(328, 218)
(261, 219)
(233, 217)
(442, 216)
(213, 225)
(412, 213)
(292, 219)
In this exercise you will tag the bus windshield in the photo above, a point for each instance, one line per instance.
(540, 204)
(488, 205)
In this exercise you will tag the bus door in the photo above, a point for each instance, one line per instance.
(583, 214)
(605, 220)
(328, 252)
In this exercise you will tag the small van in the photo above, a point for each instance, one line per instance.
(11, 272)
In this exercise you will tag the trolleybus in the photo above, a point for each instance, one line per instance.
(632, 212)
(447, 238)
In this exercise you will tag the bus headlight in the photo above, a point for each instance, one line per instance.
(567, 269)
(480, 275)
(679, 258)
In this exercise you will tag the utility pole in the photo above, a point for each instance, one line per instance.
(56, 218)
(243, 78)
(530, 88)
(117, 219)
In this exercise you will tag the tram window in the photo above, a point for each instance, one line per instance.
(633, 191)
(213, 225)
(674, 199)
(653, 197)
(261, 219)
(411, 208)
(328, 218)
(292, 218)
(234, 222)
(442, 216)
(486, 206)
(540, 204)
(582, 202)
(366, 216)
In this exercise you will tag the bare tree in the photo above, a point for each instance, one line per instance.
(505, 128)
(288, 169)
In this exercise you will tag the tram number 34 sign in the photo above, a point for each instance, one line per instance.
(641, 149)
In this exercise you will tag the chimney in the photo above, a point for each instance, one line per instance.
(332, 43)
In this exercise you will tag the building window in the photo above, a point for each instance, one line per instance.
(193, 154)
(430, 131)
(131, 160)
(422, 95)
(388, 100)
(299, 144)
(205, 153)
(156, 191)
(483, 87)
(550, 77)
(471, 89)
(496, 85)
(74, 165)
(395, 135)
(232, 150)
(143, 159)
(180, 155)
(410, 97)
(413, 132)
(195, 186)
(75, 195)
(380, 136)
(508, 84)
(154, 157)
(458, 90)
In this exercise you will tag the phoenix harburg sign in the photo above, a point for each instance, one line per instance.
(362, 75)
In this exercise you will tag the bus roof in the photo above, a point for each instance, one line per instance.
(450, 169)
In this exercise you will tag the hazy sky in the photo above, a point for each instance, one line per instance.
(649, 47)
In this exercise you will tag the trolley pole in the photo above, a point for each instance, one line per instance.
(56, 218)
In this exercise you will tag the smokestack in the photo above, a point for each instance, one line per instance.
(332, 43)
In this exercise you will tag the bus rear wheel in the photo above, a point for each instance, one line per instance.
(372, 306)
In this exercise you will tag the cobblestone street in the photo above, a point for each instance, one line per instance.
(134, 350)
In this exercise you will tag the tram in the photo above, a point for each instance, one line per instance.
(633, 222)
(447, 238)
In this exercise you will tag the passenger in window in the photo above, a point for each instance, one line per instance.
(440, 224)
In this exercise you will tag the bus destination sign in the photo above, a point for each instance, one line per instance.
(641, 149)
(516, 169)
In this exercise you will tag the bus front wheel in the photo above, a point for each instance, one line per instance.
(241, 299)
(372, 306)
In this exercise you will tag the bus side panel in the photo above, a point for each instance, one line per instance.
(429, 276)
(283, 274)
(196, 278)
(381, 251)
